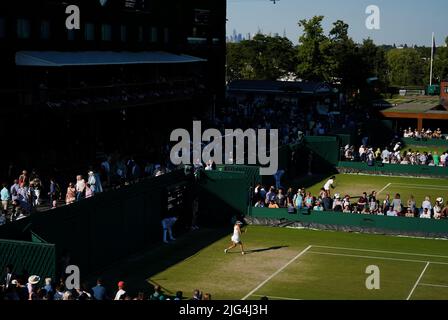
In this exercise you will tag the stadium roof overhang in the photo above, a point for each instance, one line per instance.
(98, 58)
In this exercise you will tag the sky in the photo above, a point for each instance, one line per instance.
(409, 22)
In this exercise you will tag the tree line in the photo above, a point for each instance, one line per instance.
(335, 58)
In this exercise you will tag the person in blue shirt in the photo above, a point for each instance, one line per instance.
(5, 197)
(99, 292)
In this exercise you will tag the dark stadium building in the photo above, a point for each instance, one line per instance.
(120, 82)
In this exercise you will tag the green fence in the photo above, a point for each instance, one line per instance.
(392, 169)
(358, 222)
(426, 143)
(252, 172)
(110, 226)
(29, 258)
(223, 195)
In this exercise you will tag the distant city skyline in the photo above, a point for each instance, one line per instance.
(408, 22)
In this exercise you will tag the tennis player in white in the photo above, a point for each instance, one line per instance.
(236, 238)
(329, 185)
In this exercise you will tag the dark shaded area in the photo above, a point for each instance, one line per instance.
(136, 269)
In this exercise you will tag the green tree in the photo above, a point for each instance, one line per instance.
(347, 62)
(374, 62)
(262, 58)
(406, 67)
(314, 51)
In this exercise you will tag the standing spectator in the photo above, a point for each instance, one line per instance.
(106, 170)
(88, 191)
(8, 277)
(99, 292)
(71, 194)
(98, 184)
(23, 179)
(327, 203)
(54, 194)
(91, 180)
(270, 196)
(37, 187)
(33, 281)
(280, 199)
(80, 188)
(121, 293)
(15, 190)
(5, 197)
(48, 286)
(298, 200)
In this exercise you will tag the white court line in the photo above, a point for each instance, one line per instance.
(418, 280)
(432, 285)
(387, 186)
(379, 251)
(373, 257)
(277, 272)
(280, 298)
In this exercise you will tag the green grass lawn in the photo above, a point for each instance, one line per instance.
(290, 264)
(355, 185)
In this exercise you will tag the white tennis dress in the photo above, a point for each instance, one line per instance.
(236, 235)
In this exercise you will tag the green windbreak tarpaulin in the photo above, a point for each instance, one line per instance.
(223, 195)
(29, 257)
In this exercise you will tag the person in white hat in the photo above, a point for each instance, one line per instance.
(31, 285)
(236, 238)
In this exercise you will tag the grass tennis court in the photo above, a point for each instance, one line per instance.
(291, 264)
(355, 185)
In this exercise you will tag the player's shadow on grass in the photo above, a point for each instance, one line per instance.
(265, 249)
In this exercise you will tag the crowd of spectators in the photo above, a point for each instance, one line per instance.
(14, 287)
(31, 192)
(424, 134)
(293, 120)
(395, 155)
(394, 206)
